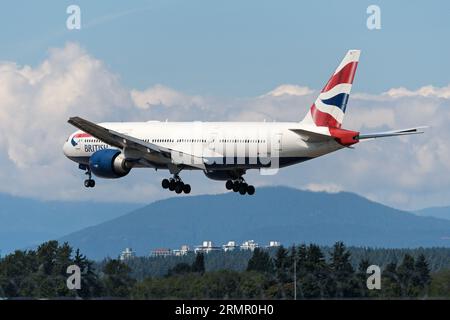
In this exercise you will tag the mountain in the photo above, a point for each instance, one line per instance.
(26, 222)
(437, 212)
(275, 213)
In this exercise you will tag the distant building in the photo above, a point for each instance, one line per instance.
(182, 251)
(206, 247)
(161, 252)
(249, 245)
(274, 244)
(230, 246)
(127, 254)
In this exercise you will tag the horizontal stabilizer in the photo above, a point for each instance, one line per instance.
(393, 133)
(311, 136)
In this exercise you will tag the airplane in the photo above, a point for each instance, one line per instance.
(224, 151)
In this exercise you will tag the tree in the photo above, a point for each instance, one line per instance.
(300, 256)
(440, 284)
(316, 281)
(260, 261)
(281, 263)
(199, 264)
(90, 284)
(390, 281)
(46, 256)
(117, 281)
(361, 277)
(342, 271)
(422, 274)
(179, 269)
(406, 275)
(42, 273)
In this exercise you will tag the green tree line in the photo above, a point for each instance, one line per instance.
(237, 260)
(309, 271)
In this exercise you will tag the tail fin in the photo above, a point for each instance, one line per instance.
(329, 108)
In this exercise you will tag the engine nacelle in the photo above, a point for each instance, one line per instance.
(220, 174)
(109, 163)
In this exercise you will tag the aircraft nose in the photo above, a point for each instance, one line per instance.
(67, 148)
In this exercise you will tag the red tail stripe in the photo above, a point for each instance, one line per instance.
(323, 119)
(345, 75)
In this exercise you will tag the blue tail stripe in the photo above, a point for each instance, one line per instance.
(339, 100)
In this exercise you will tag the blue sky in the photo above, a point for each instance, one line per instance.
(240, 48)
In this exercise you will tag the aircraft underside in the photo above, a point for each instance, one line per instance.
(230, 170)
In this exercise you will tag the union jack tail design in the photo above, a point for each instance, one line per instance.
(329, 108)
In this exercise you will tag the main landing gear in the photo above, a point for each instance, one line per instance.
(176, 184)
(240, 186)
(88, 183)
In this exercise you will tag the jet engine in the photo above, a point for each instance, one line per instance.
(109, 163)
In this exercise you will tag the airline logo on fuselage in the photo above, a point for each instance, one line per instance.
(91, 148)
(77, 136)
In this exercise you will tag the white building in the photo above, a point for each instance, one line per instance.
(249, 245)
(230, 246)
(274, 244)
(161, 252)
(182, 251)
(206, 247)
(127, 254)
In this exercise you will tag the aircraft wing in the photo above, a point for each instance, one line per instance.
(135, 148)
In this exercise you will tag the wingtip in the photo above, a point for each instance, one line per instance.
(71, 119)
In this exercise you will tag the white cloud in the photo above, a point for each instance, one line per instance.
(426, 91)
(320, 187)
(160, 95)
(35, 103)
(290, 90)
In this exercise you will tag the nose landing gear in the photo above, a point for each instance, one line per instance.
(88, 183)
(240, 186)
(176, 184)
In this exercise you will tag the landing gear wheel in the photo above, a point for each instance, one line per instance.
(229, 185)
(236, 185)
(186, 188)
(172, 185)
(89, 183)
(165, 183)
(243, 188)
(179, 188)
(251, 190)
(176, 184)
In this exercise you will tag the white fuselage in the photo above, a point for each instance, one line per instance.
(220, 145)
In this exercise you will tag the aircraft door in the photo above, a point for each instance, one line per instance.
(212, 141)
